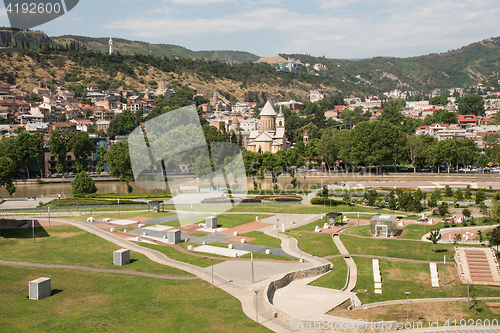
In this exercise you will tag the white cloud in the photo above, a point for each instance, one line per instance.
(369, 28)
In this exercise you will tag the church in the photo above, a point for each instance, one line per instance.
(271, 136)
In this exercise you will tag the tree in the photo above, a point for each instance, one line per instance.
(101, 159)
(415, 147)
(448, 191)
(370, 197)
(83, 184)
(458, 195)
(443, 209)
(123, 124)
(60, 145)
(468, 193)
(494, 237)
(118, 161)
(36, 150)
(23, 150)
(82, 147)
(466, 213)
(434, 237)
(324, 193)
(447, 149)
(7, 172)
(480, 197)
(471, 104)
(438, 100)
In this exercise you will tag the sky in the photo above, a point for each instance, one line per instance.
(349, 29)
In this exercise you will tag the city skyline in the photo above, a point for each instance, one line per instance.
(334, 29)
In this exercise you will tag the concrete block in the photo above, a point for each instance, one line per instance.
(235, 233)
(40, 288)
(211, 222)
(378, 291)
(125, 231)
(141, 225)
(112, 230)
(174, 236)
(121, 257)
(230, 246)
(378, 285)
(268, 251)
(243, 240)
(190, 247)
(107, 219)
(377, 279)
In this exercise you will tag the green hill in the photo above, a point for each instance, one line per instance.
(125, 46)
(469, 65)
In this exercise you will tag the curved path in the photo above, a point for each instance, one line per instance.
(246, 295)
(100, 270)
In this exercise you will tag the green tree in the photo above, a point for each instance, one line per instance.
(83, 184)
(123, 124)
(7, 171)
(458, 195)
(36, 150)
(101, 159)
(448, 151)
(443, 209)
(23, 150)
(471, 104)
(118, 161)
(466, 213)
(60, 145)
(494, 237)
(468, 193)
(448, 191)
(415, 147)
(82, 147)
(434, 237)
(438, 100)
(480, 197)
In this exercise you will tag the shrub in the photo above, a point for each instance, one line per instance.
(83, 184)
(318, 201)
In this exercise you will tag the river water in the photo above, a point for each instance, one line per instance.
(307, 181)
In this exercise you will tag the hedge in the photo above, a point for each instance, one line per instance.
(124, 195)
(320, 201)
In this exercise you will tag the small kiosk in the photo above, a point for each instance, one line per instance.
(382, 225)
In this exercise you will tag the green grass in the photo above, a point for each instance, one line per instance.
(364, 230)
(416, 231)
(263, 239)
(317, 244)
(395, 248)
(230, 221)
(68, 245)
(304, 209)
(180, 256)
(399, 277)
(311, 226)
(198, 234)
(336, 278)
(122, 215)
(96, 302)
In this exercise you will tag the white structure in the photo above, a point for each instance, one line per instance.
(121, 257)
(110, 45)
(40, 288)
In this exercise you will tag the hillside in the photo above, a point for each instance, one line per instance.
(125, 46)
(460, 68)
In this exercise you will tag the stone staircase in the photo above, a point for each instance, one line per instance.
(477, 266)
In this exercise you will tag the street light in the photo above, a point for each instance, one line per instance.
(256, 306)
(284, 218)
(212, 259)
(300, 241)
(278, 227)
(407, 305)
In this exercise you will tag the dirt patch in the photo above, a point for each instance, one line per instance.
(237, 239)
(421, 312)
(67, 234)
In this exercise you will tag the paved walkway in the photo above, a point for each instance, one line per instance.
(100, 270)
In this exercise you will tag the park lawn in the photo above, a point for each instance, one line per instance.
(395, 248)
(336, 278)
(263, 239)
(173, 254)
(399, 277)
(234, 220)
(311, 226)
(69, 245)
(317, 244)
(364, 230)
(304, 209)
(416, 231)
(122, 215)
(101, 302)
(198, 234)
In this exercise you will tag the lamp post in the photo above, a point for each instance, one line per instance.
(212, 259)
(256, 306)
(407, 305)
(278, 228)
(300, 241)
(284, 218)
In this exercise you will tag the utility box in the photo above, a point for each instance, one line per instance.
(121, 257)
(40, 288)
(211, 222)
(174, 236)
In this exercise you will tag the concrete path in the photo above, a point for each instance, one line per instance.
(353, 270)
(246, 295)
(100, 270)
(305, 302)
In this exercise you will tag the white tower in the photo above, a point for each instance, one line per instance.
(110, 45)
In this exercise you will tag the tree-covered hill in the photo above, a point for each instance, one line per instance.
(472, 64)
(125, 46)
